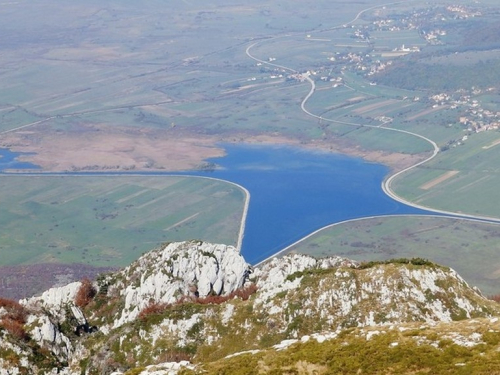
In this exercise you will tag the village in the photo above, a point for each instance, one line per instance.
(473, 114)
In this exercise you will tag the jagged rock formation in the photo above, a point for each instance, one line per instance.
(348, 296)
(180, 269)
(190, 303)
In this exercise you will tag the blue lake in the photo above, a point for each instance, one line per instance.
(295, 192)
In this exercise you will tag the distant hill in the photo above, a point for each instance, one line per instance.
(460, 64)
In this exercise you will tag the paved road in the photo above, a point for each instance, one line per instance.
(386, 184)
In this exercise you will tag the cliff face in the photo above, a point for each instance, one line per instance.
(190, 305)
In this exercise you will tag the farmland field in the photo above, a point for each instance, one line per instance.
(119, 86)
(472, 187)
(111, 221)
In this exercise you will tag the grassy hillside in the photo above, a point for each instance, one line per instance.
(453, 348)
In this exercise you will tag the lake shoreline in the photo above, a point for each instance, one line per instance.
(191, 155)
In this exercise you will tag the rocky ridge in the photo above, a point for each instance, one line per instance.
(190, 304)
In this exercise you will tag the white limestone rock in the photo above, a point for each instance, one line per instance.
(382, 294)
(47, 335)
(54, 299)
(272, 275)
(166, 368)
(78, 314)
(181, 269)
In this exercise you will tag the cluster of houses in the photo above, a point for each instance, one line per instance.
(434, 36)
(463, 12)
(476, 118)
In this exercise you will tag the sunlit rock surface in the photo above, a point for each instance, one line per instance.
(178, 306)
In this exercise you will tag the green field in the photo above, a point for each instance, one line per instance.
(111, 221)
(470, 248)
(470, 190)
(181, 71)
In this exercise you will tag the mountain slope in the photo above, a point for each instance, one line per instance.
(462, 347)
(197, 303)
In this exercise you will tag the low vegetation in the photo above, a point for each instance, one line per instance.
(412, 261)
(413, 75)
(14, 318)
(85, 294)
(413, 349)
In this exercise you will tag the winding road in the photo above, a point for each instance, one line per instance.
(386, 184)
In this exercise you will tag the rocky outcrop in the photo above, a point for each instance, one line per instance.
(180, 269)
(298, 298)
(167, 368)
(47, 335)
(53, 300)
(343, 295)
(273, 277)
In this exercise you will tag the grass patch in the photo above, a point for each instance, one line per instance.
(111, 220)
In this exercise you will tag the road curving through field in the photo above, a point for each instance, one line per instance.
(386, 184)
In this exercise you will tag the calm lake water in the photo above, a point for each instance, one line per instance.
(293, 192)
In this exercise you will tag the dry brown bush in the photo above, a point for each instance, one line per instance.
(156, 308)
(15, 328)
(174, 356)
(243, 293)
(214, 300)
(85, 293)
(153, 308)
(14, 311)
(495, 297)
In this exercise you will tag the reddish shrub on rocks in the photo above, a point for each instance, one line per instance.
(495, 297)
(175, 356)
(211, 300)
(243, 293)
(157, 308)
(15, 328)
(85, 293)
(14, 311)
(154, 308)
(13, 318)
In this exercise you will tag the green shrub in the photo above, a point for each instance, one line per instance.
(412, 261)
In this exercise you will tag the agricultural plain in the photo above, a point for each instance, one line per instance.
(111, 221)
(92, 86)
